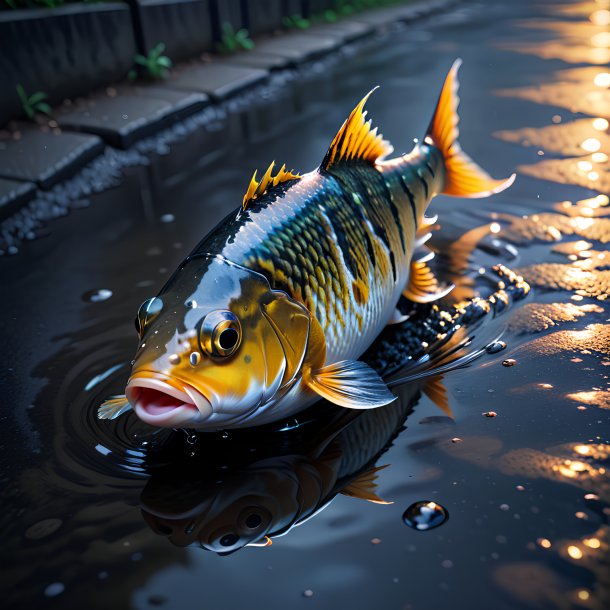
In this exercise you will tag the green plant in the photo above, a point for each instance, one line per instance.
(297, 22)
(33, 104)
(155, 63)
(233, 41)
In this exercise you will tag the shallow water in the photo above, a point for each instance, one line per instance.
(88, 506)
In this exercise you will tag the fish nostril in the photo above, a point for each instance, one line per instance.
(253, 520)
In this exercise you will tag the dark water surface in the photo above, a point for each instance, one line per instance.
(90, 509)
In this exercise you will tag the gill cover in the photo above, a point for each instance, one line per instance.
(208, 295)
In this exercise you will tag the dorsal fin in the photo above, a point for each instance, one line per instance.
(256, 189)
(356, 141)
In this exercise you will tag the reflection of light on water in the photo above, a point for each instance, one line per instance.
(585, 166)
(602, 79)
(591, 145)
(601, 40)
(601, 17)
(494, 227)
(574, 552)
(592, 543)
(600, 124)
(599, 157)
(593, 398)
(593, 176)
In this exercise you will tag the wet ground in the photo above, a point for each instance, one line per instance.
(90, 509)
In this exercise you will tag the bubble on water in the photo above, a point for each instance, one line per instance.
(425, 515)
(191, 439)
(55, 588)
(225, 434)
(495, 347)
(509, 362)
(97, 296)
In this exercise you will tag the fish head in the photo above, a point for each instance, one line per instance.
(217, 345)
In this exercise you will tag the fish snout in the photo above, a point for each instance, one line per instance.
(159, 403)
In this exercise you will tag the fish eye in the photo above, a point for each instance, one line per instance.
(148, 311)
(229, 539)
(220, 333)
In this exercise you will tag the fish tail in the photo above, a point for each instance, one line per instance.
(464, 178)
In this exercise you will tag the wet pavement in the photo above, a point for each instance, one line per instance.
(93, 511)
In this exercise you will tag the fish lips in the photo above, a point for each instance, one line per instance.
(159, 403)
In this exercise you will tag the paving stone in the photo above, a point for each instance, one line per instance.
(133, 114)
(347, 30)
(218, 79)
(299, 47)
(13, 195)
(46, 158)
(254, 59)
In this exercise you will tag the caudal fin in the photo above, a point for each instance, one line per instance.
(464, 178)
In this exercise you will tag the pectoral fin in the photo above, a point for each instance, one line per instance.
(350, 383)
(364, 486)
(113, 407)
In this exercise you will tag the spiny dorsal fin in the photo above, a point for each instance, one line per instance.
(256, 189)
(364, 486)
(356, 140)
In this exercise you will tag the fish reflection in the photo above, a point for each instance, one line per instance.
(269, 487)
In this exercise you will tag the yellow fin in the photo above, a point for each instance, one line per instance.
(356, 141)
(256, 189)
(113, 407)
(423, 286)
(437, 393)
(464, 177)
(364, 486)
(349, 383)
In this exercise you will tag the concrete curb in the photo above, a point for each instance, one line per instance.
(135, 124)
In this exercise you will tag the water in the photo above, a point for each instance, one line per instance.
(96, 514)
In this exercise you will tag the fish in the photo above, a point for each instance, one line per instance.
(252, 498)
(272, 309)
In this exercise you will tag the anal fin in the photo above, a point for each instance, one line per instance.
(113, 407)
(437, 393)
(364, 486)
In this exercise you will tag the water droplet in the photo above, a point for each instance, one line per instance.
(55, 588)
(509, 362)
(167, 218)
(191, 439)
(195, 358)
(174, 359)
(425, 515)
(495, 347)
(308, 593)
(97, 296)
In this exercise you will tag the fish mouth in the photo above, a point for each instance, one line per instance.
(158, 403)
